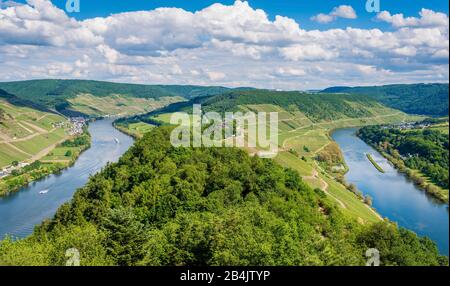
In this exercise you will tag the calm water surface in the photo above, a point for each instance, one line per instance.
(394, 196)
(21, 211)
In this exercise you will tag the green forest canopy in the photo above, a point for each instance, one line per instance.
(317, 107)
(161, 205)
(53, 93)
(426, 99)
(425, 150)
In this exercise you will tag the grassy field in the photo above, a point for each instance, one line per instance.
(25, 132)
(137, 129)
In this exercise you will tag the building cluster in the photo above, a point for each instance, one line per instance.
(8, 170)
(409, 125)
(76, 125)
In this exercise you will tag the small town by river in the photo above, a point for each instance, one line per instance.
(21, 211)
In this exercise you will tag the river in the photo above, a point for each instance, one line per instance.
(22, 210)
(394, 195)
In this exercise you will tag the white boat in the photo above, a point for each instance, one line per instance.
(117, 140)
(43, 192)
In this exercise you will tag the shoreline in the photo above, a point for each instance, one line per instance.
(54, 168)
(407, 172)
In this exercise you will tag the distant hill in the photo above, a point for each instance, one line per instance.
(426, 99)
(316, 106)
(56, 93)
(15, 100)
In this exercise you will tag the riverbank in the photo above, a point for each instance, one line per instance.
(394, 196)
(62, 156)
(21, 211)
(421, 181)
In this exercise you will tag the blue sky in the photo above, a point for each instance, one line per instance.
(300, 10)
(283, 44)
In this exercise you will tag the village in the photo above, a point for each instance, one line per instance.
(74, 126)
(408, 125)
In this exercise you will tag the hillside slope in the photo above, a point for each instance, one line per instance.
(317, 107)
(426, 99)
(62, 95)
(304, 123)
(161, 205)
(26, 132)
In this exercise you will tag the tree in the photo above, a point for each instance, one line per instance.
(68, 153)
(15, 163)
(125, 236)
(368, 200)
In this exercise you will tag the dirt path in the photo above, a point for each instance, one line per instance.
(17, 149)
(28, 137)
(321, 148)
(45, 151)
(42, 117)
(55, 161)
(37, 128)
(324, 186)
(24, 127)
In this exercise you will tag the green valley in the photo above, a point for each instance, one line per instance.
(305, 122)
(161, 205)
(159, 194)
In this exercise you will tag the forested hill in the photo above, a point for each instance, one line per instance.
(20, 101)
(161, 205)
(316, 106)
(425, 99)
(55, 93)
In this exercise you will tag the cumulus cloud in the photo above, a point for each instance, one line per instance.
(343, 11)
(232, 45)
(428, 18)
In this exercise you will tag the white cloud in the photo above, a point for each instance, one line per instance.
(323, 18)
(343, 11)
(214, 75)
(288, 71)
(428, 18)
(309, 52)
(233, 45)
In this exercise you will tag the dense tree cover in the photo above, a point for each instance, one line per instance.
(161, 205)
(81, 140)
(53, 93)
(423, 149)
(317, 107)
(428, 99)
(18, 101)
